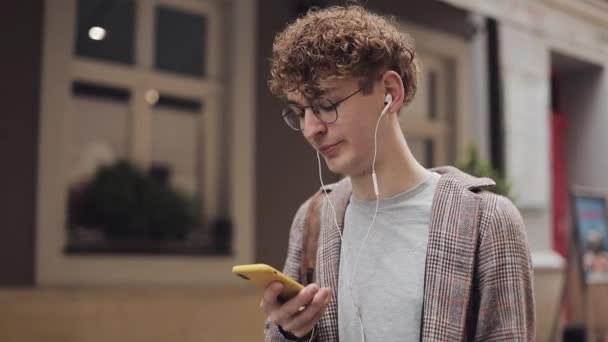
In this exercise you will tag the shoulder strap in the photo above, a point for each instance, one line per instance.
(310, 240)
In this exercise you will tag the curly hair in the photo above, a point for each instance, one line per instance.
(342, 42)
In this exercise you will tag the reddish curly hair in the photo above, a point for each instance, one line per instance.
(341, 42)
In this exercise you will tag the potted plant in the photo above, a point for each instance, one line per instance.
(128, 203)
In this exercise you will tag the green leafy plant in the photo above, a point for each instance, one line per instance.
(478, 167)
(126, 202)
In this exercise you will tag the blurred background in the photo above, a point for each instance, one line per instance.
(144, 155)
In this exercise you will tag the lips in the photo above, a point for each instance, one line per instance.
(329, 150)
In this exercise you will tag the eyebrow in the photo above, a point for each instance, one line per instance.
(326, 91)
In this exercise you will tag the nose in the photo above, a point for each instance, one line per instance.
(313, 126)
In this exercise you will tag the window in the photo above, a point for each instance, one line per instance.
(426, 122)
(140, 159)
(439, 123)
(97, 111)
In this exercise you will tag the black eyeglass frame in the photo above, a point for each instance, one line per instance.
(286, 112)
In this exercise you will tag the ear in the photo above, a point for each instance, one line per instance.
(393, 85)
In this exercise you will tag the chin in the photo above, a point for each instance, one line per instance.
(339, 165)
(334, 169)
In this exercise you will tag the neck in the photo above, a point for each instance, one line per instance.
(396, 168)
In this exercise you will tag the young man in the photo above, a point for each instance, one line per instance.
(428, 256)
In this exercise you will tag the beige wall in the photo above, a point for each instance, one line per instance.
(130, 315)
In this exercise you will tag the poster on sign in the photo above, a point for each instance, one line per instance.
(591, 234)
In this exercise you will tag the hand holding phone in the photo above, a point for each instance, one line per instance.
(299, 314)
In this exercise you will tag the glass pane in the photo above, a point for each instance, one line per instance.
(99, 128)
(176, 143)
(181, 40)
(106, 30)
(97, 137)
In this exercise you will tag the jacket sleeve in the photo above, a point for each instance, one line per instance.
(292, 265)
(505, 301)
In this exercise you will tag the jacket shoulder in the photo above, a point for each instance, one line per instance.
(501, 217)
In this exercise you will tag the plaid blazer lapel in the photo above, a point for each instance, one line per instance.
(328, 255)
(451, 254)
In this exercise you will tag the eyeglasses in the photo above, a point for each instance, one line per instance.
(323, 109)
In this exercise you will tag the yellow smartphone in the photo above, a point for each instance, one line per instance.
(262, 275)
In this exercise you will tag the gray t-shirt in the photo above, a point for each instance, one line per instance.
(389, 282)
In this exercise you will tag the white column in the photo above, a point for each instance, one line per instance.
(525, 73)
(479, 55)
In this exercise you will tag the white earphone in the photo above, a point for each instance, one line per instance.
(388, 98)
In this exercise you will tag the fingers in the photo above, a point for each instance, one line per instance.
(299, 315)
(302, 323)
(270, 301)
(303, 299)
(283, 314)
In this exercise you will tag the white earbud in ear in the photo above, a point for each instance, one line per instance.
(388, 98)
